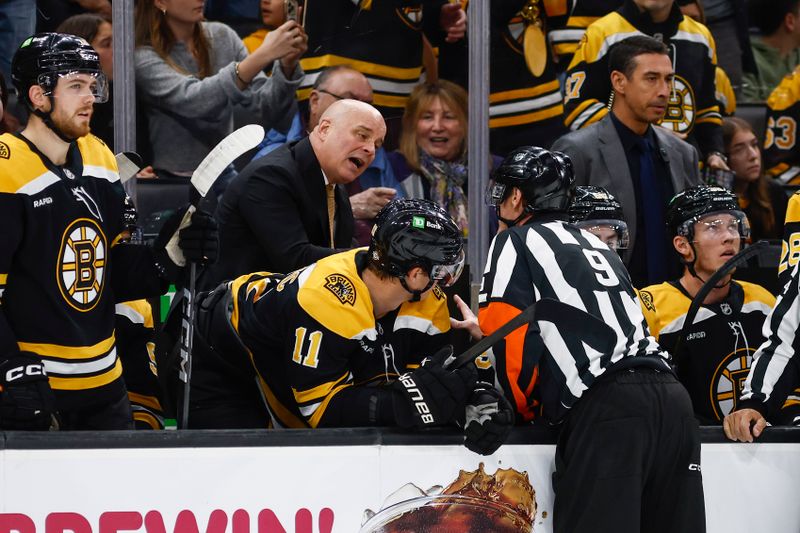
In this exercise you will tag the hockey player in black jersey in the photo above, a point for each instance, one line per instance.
(63, 267)
(342, 342)
(712, 360)
(595, 210)
(628, 455)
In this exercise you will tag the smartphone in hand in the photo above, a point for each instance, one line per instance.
(291, 8)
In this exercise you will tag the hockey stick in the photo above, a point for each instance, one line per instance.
(525, 317)
(737, 260)
(128, 164)
(218, 159)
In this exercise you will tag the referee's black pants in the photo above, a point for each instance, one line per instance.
(628, 459)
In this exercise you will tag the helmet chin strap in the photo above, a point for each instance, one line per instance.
(48, 121)
(693, 272)
(416, 295)
(511, 223)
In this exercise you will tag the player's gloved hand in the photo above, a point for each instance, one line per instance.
(433, 394)
(26, 400)
(488, 420)
(200, 240)
(185, 237)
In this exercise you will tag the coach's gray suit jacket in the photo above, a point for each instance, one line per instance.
(599, 159)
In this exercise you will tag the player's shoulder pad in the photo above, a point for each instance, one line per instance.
(98, 161)
(663, 306)
(430, 315)
(787, 93)
(756, 294)
(22, 170)
(136, 311)
(332, 293)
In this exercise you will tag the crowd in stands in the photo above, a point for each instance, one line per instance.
(364, 102)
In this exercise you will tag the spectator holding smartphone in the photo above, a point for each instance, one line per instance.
(193, 74)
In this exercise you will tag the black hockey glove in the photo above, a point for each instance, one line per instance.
(489, 419)
(433, 395)
(200, 241)
(26, 400)
(183, 239)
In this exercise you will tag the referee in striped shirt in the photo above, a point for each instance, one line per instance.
(628, 455)
(775, 371)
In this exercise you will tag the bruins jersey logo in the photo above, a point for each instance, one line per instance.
(438, 292)
(681, 106)
(411, 17)
(5, 151)
(728, 381)
(82, 264)
(342, 288)
(515, 31)
(646, 297)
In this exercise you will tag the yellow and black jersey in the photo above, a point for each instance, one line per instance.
(726, 98)
(316, 345)
(781, 154)
(692, 107)
(382, 39)
(790, 246)
(565, 40)
(59, 271)
(519, 102)
(718, 347)
(135, 333)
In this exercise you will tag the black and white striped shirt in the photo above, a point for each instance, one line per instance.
(552, 362)
(776, 368)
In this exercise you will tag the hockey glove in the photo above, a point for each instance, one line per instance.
(489, 419)
(26, 400)
(432, 394)
(183, 238)
(200, 240)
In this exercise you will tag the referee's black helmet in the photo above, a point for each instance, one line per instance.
(545, 178)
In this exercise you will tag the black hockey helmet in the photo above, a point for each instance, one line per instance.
(410, 233)
(688, 207)
(594, 208)
(42, 58)
(544, 177)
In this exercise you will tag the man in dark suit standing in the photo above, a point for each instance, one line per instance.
(289, 209)
(643, 166)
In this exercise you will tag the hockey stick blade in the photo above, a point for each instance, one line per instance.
(128, 164)
(231, 147)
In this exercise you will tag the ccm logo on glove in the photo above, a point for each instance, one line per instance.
(25, 370)
(415, 395)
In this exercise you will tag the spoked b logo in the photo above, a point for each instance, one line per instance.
(82, 264)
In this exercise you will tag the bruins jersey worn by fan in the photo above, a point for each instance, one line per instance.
(565, 41)
(135, 332)
(718, 347)
(314, 337)
(781, 153)
(524, 108)
(692, 108)
(382, 39)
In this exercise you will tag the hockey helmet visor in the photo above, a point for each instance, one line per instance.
(613, 232)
